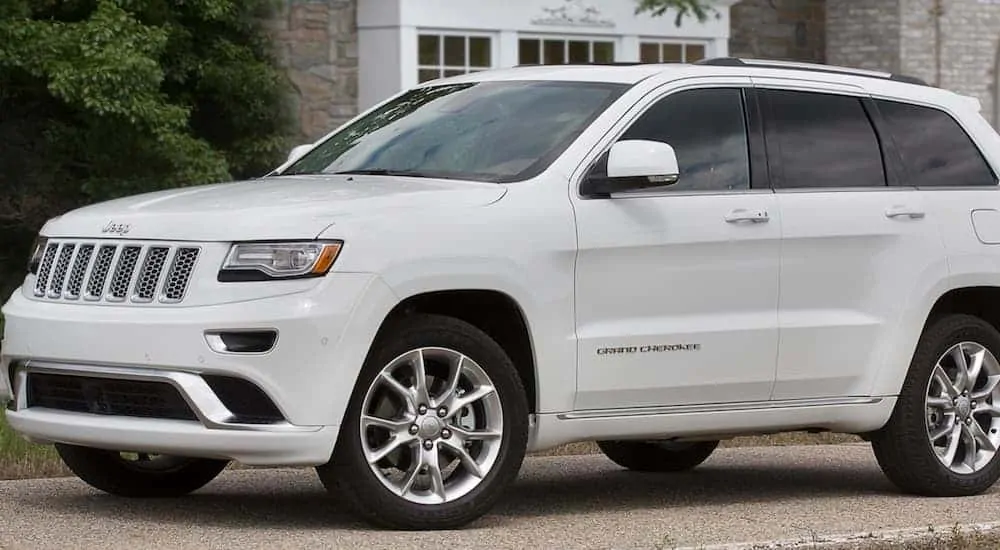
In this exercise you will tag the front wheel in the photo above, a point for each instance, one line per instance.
(436, 429)
(139, 475)
(943, 435)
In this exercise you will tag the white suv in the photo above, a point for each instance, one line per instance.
(655, 257)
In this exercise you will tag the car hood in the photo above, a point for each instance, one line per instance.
(285, 207)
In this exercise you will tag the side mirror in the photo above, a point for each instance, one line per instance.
(297, 152)
(633, 164)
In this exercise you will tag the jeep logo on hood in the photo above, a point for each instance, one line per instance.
(116, 228)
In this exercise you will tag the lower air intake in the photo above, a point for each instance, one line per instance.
(107, 396)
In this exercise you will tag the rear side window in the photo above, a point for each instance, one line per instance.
(823, 140)
(935, 149)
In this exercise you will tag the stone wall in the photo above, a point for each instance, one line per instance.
(779, 29)
(949, 43)
(963, 57)
(317, 43)
(865, 34)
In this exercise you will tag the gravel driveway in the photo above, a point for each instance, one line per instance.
(740, 494)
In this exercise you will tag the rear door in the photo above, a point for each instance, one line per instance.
(854, 245)
(941, 159)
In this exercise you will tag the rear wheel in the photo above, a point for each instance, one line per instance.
(139, 474)
(436, 429)
(943, 436)
(658, 456)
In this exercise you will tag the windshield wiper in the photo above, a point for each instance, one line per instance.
(381, 172)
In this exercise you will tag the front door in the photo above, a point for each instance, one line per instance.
(677, 287)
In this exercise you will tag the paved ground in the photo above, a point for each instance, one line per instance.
(742, 494)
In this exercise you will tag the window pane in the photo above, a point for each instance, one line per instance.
(430, 53)
(579, 52)
(673, 53)
(454, 51)
(604, 52)
(649, 53)
(936, 150)
(423, 75)
(706, 129)
(554, 52)
(825, 140)
(528, 52)
(454, 72)
(695, 52)
(479, 52)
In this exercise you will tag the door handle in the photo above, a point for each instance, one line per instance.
(903, 211)
(744, 215)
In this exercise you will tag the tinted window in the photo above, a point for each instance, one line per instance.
(824, 140)
(488, 131)
(707, 130)
(935, 149)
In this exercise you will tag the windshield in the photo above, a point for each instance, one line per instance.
(486, 131)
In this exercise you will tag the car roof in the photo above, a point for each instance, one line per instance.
(877, 83)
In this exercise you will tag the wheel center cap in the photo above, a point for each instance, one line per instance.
(963, 407)
(430, 428)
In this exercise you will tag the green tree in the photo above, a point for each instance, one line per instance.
(700, 9)
(103, 98)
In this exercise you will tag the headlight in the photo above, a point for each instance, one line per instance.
(279, 260)
(36, 254)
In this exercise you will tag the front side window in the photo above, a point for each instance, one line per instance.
(707, 130)
(824, 140)
(487, 131)
(935, 149)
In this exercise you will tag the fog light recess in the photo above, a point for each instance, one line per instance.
(242, 341)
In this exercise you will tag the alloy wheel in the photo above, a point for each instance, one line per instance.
(963, 419)
(431, 425)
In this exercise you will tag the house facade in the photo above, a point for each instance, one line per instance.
(343, 56)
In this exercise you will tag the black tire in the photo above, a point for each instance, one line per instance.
(902, 447)
(162, 477)
(654, 456)
(348, 474)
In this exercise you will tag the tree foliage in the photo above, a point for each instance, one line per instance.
(102, 98)
(700, 9)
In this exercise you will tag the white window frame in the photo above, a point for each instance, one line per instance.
(615, 41)
(464, 34)
(683, 43)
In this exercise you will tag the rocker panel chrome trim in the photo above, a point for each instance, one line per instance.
(718, 407)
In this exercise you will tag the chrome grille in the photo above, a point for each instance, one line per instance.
(180, 273)
(45, 268)
(149, 277)
(128, 272)
(59, 274)
(75, 283)
(99, 274)
(123, 273)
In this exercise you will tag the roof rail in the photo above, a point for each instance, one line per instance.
(817, 67)
(601, 63)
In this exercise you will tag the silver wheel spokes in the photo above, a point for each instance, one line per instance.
(431, 425)
(963, 417)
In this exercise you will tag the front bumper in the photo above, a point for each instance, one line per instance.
(175, 437)
(308, 375)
